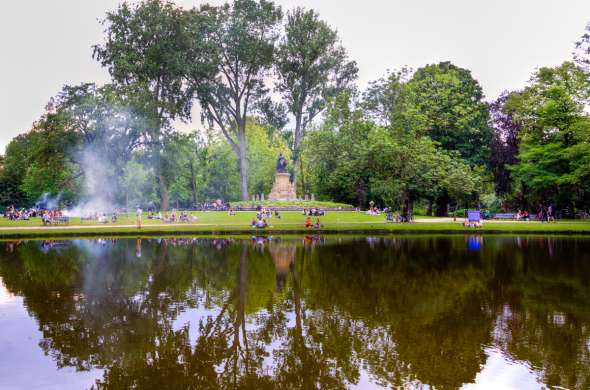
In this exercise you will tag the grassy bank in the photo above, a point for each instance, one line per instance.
(218, 223)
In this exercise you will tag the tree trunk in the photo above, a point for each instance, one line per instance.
(243, 162)
(193, 184)
(442, 204)
(303, 189)
(361, 192)
(165, 201)
(408, 207)
(296, 143)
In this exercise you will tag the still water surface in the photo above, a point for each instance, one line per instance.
(330, 313)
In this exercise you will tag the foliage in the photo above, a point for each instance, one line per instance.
(354, 160)
(554, 151)
(504, 144)
(446, 104)
(148, 47)
(312, 68)
(243, 35)
(265, 86)
(41, 162)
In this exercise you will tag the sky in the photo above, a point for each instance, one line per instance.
(45, 44)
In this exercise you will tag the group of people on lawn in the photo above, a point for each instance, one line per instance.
(545, 214)
(262, 216)
(14, 214)
(314, 212)
(174, 216)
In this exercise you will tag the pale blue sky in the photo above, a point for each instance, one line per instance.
(46, 43)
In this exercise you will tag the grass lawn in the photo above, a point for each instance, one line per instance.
(291, 222)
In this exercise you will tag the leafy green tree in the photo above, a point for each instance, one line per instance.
(109, 123)
(136, 183)
(312, 67)
(12, 172)
(244, 34)
(553, 155)
(148, 46)
(41, 161)
(384, 99)
(336, 154)
(446, 103)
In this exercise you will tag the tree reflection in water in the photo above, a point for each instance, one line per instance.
(284, 314)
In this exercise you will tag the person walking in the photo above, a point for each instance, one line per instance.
(550, 214)
(138, 213)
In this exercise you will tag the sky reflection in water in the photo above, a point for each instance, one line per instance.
(330, 313)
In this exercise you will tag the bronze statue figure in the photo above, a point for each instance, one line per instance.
(281, 164)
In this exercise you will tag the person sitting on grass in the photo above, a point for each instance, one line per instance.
(308, 222)
(317, 224)
(277, 215)
(261, 224)
(473, 224)
(253, 223)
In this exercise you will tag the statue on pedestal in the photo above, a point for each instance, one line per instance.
(283, 188)
(281, 164)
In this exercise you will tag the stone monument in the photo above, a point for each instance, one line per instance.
(282, 188)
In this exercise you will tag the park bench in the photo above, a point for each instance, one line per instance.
(61, 220)
(57, 221)
(505, 216)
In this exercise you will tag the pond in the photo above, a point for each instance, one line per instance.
(296, 312)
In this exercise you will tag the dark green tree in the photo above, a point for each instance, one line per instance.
(312, 67)
(554, 157)
(446, 103)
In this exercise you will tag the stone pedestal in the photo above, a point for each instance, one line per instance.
(282, 189)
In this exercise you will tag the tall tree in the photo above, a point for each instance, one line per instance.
(554, 156)
(582, 52)
(147, 45)
(384, 99)
(312, 67)
(504, 145)
(244, 33)
(446, 103)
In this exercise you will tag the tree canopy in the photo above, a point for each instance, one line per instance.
(264, 84)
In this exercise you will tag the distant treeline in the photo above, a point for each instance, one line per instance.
(266, 82)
